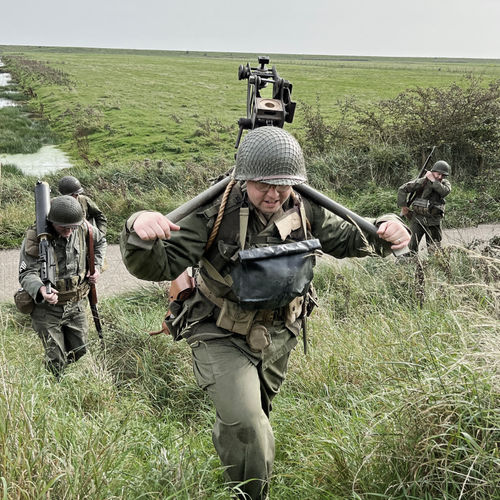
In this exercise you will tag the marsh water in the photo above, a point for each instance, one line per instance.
(46, 160)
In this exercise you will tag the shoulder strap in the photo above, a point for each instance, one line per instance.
(305, 211)
(244, 214)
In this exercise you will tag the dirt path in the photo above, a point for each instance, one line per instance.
(117, 279)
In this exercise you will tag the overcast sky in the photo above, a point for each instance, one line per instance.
(428, 28)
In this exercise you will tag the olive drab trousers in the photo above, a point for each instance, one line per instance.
(241, 392)
(433, 235)
(63, 330)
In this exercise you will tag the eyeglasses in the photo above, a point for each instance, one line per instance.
(264, 187)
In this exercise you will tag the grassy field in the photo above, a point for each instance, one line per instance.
(398, 396)
(118, 113)
(393, 401)
(185, 106)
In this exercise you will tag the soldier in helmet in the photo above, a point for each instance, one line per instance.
(240, 353)
(427, 207)
(59, 317)
(70, 185)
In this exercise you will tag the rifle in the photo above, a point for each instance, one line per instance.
(45, 251)
(413, 195)
(93, 290)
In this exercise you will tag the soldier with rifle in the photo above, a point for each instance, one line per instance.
(422, 201)
(254, 248)
(71, 186)
(55, 270)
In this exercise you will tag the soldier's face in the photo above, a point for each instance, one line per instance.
(268, 198)
(64, 231)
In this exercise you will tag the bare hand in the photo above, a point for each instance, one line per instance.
(152, 225)
(431, 175)
(94, 277)
(404, 211)
(394, 232)
(50, 298)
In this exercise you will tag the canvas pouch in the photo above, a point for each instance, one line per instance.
(24, 302)
(271, 277)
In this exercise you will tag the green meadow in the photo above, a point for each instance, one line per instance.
(399, 393)
(185, 106)
(150, 128)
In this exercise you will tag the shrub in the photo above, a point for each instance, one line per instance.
(463, 120)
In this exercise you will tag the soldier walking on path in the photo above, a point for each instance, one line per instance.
(252, 289)
(71, 186)
(58, 314)
(426, 208)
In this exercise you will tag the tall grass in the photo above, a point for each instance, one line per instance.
(393, 400)
(104, 431)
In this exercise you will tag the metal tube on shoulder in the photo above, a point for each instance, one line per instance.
(307, 191)
(336, 208)
(344, 213)
(185, 209)
(199, 200)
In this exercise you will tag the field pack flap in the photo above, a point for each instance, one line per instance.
(271, 277)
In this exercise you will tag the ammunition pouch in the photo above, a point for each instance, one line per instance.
(24, 301)
(271, 277)
(253, 324)
(70, 290)
(427, 208)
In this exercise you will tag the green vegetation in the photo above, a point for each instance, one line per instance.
(398, 397)
(176, 106)
(150, 128)
(393, 401)
(21, 133)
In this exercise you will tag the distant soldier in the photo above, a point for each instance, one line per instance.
(58, 315)
(426, 208)
(70, 185)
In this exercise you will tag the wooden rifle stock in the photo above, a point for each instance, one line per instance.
(93, 289)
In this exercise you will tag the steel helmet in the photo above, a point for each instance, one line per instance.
(270, 155)
(65, 211)
(441, 167)
(70, 185)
